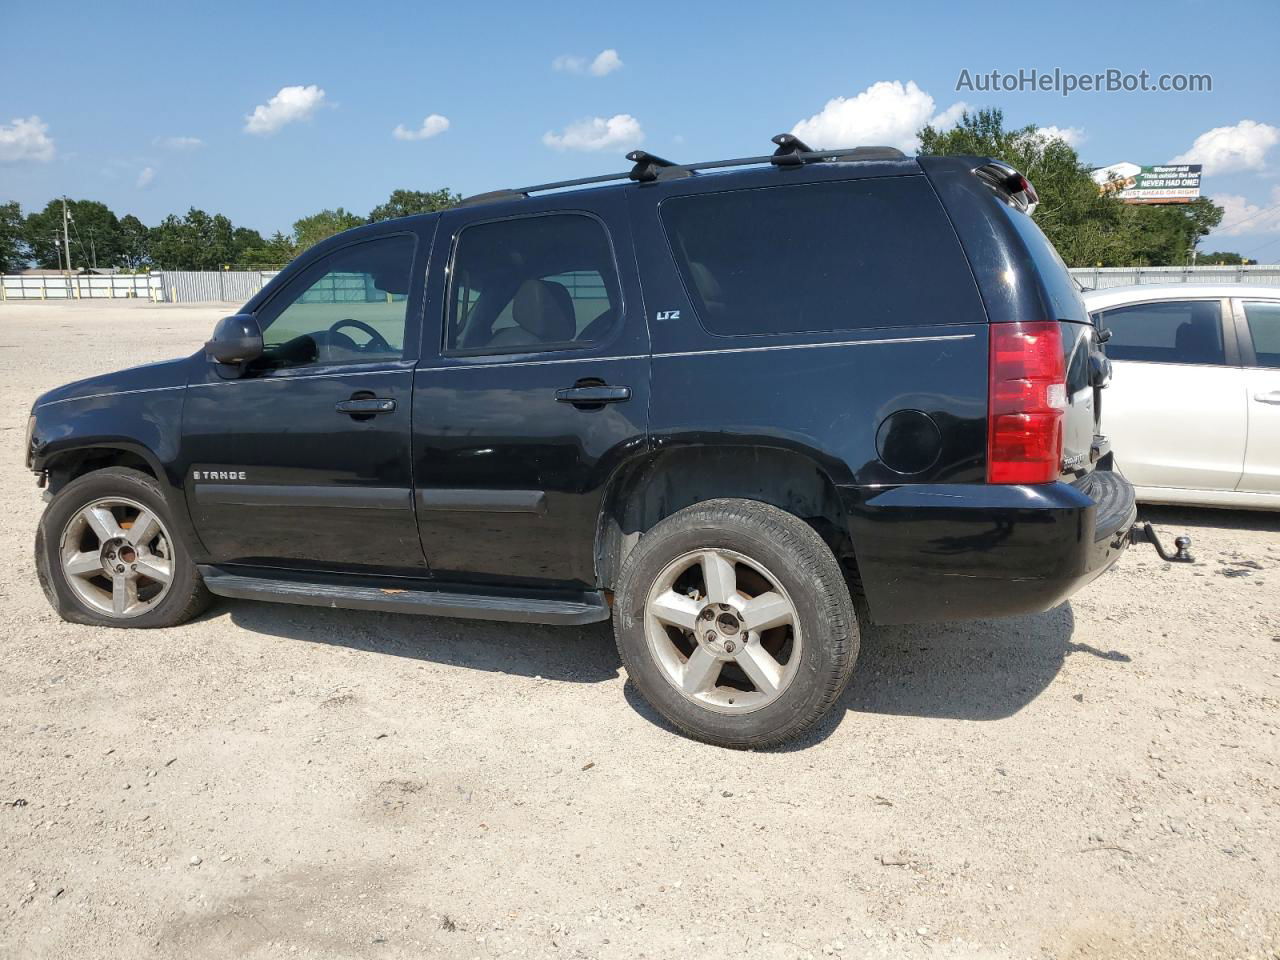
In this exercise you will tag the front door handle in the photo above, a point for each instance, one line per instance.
(1272, 397)
(593, 394)
(365, 406)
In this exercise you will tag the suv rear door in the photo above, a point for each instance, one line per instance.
(533, 389)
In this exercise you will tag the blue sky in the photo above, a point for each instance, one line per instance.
(147, 107)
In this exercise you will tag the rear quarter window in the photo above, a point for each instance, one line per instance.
(821, 257)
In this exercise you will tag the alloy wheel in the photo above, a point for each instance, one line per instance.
(117, 557)
(723, 630)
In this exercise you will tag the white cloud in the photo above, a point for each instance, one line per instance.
(597, 133)
(1240, 217)
(145, 177)
(431, 126)
(949, 117)
(179, 143)
(25, 139)
(290, 104)
(567, 63)
(605, 62)
(1224, 149)
(1072, 136)
(888, 113)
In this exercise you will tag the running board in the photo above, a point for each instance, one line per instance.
(585, 607)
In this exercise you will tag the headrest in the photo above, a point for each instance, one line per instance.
(545, 309)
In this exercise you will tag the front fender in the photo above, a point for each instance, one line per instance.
(145, 423)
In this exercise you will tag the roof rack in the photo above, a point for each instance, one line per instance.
(791, 152)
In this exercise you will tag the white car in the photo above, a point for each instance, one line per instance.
(1193, 406)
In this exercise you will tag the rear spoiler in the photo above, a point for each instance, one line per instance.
(1009, 184)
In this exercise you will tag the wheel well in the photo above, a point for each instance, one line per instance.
(644, 495)
(72, 464)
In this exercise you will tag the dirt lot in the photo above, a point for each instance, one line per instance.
(1097, 781)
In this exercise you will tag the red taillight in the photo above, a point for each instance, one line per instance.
(1028, 398)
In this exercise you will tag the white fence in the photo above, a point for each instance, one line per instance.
(1099, 278)
(160, 286)
(89, 286)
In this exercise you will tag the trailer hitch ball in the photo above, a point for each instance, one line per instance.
(1145, 533)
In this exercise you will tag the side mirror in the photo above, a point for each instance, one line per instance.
(236, 340)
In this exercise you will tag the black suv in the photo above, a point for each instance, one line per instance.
(737, 405)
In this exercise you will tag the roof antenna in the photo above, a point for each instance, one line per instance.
(790, 148)
(649, 168)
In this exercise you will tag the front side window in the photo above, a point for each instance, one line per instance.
(1177, 331)
(348, 307)
(531, 283)
(1264, 329)
(821, 257)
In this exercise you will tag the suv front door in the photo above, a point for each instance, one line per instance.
(286, 466)
(538, 389)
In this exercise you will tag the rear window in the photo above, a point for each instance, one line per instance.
(821, 257)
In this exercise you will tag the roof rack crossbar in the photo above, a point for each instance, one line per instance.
(661, 169)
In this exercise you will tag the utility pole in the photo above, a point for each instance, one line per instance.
(66, 236)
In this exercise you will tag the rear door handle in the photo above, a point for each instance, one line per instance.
(593, 394)
(1272, 397)
(366, 406)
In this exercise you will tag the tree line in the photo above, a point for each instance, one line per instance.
(195, 240)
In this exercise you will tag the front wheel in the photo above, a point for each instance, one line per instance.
(107, 554)
(733, 619)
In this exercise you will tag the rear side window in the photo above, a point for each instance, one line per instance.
(1264, 330)
(530, 284)
(821, 257)
(1177, 331)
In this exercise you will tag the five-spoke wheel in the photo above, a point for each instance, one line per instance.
(723, 630)
(116, 555)
(733, 619)
(108, 552)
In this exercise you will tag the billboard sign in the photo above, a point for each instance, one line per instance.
(1170, 183)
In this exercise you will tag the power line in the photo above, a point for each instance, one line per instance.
(1265, 245)
(1232, 226)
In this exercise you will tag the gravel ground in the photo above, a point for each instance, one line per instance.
(1097, 781)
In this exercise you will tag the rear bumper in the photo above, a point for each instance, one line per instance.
(929, 552)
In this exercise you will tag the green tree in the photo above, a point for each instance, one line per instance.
(405, 203)
(195, 241)
(319, 226)
(13, 244)
(1224, 258)
(275, 252)
(135, 243)
(94, 232)
(1166, 234)
(1085, 225)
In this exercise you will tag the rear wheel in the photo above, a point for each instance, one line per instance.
(106, 553)
(733, 619)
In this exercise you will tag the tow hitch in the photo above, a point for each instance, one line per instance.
(1144, 533)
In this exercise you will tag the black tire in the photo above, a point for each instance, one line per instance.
(187, 596)
(806, 569)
